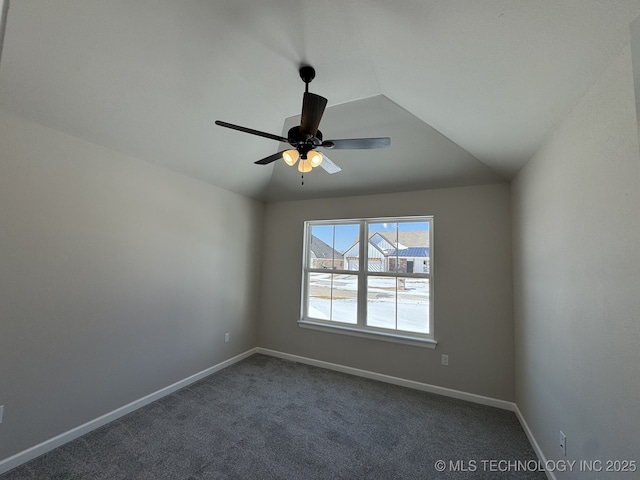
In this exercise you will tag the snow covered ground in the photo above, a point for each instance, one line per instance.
(401, 304)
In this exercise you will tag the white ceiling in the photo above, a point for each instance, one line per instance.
(149, 78)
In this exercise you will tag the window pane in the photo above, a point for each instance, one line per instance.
(381, 302)
(346, 246)
(345, 299)
(398, 303)
(383, 238)
(321, 249)
(329, 243)
(413, 248)
(413, 304)
(319, 297)
(333, 297)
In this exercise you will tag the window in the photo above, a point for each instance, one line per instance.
(370, 277)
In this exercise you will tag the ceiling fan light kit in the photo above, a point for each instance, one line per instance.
(290, 157)
(315, 158)
(306, 137)
(304, 166)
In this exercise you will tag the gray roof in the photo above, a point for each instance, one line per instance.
(320, 249)
(411, 252)
(413, 238)
(407, 238)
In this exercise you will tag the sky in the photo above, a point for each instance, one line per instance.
(346, 234)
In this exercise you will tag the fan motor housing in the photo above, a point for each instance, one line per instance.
(297, 136)
(303, 142)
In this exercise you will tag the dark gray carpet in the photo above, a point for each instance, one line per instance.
(265, 418)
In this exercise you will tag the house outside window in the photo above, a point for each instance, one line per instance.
(370, 277)
(323, 256)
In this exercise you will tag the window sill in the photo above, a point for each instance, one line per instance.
(372, 334)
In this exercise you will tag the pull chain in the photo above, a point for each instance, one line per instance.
(303, 179)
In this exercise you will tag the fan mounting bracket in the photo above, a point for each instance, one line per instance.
(307, 73)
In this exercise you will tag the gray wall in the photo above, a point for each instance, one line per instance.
(576, 237)
(635, 55)
(117, 278)
(473, 294)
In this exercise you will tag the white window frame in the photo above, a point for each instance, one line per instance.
(360, 329)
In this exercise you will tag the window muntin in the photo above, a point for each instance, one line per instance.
(371, 274)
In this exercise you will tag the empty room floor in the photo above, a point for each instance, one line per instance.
(267, 418)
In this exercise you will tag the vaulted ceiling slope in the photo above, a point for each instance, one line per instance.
(467, 90)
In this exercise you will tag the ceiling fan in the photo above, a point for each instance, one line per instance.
(306, 137)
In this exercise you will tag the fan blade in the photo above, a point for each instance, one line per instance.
(329, 166)
(357, 143)
(252, 131)
(312, 109)
(270, 158)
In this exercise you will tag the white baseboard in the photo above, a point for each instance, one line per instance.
(29, 454)
(425, 387)
(536, 447)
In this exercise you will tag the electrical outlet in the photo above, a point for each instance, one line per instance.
(1, 412)
(445, 359)
(563, 443)
(226, 337)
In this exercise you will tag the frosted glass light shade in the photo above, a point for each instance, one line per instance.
(304, 166)
(315, 158)
(290, 157)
